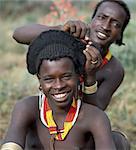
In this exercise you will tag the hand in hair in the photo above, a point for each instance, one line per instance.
(77, 28)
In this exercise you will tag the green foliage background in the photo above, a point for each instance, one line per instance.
(16, 83)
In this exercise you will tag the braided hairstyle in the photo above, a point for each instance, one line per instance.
(54, 45)
(127, 19)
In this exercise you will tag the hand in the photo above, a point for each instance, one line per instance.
(77, 28)
(93, 59)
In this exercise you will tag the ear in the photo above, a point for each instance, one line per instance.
(80, 87)
(40, 88)
(38, 76)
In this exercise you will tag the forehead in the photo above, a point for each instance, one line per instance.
(112, 9)
(60, 65)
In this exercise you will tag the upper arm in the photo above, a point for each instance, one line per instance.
(109, 79)
(101, 130)
(20, 120)
(113, 77)
(26, 34)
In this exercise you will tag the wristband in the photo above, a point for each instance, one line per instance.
(90, 89)
(11, 146)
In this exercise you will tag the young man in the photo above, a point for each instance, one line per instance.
(108, 23)
(59, 116)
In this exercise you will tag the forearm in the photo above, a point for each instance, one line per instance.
(99, 100)
(90, 99)
(90, 89)
(98, 96)
(26, 34)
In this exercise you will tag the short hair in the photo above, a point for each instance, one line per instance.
(53, 45)
(128, 16)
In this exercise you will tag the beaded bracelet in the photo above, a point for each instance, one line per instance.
(90, 89)
(11, 146)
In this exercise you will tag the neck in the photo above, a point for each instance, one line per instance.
(104, 52)
(102, 49)
(59, 110)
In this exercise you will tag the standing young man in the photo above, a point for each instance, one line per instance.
(59, 116)
(108, 23)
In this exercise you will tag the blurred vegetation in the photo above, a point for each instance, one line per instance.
(16, 83)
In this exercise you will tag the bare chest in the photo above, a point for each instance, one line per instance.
(76, 139)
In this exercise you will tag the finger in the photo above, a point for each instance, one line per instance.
(84, 41)
(70, 27)
(78, 29)
(99, 61)
(91, 51)
(66, 27)
(96, 58)
(88, 32)
(95, 51)
(88, 56)
(84, 29)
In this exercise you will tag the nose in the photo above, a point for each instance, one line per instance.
(106, 25)
(58, 84)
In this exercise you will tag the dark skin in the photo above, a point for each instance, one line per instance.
(56, 81)
(109, 77)
(106, 27)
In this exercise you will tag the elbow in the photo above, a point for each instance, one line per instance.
(102, 105)
(15, 36)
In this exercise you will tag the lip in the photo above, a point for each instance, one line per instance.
(60, 97)
(101, 35)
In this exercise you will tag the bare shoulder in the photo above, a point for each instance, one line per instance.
(23, 116)
(115, 67)
(26, 107)
(117, 64)
(113, 71)
(93, 118)
(26, 102)
(93, 113)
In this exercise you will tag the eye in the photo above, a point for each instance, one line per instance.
(101, 17)
(67, 76)
(48, 79)
(116, 24)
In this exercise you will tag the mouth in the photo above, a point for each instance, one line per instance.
(60, 97)
(101, 35)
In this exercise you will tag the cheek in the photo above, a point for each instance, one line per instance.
(74, 85)
(45, 87)
(94, 23)
(116, 33)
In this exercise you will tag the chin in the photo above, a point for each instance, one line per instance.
(63, 104)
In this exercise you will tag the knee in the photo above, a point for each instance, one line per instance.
(121, 141)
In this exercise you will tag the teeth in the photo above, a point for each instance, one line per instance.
(101, 34)
(60, 95)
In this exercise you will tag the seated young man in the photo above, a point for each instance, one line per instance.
(59, 116)
(108, 23)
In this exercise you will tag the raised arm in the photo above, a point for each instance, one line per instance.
(109, 79)
(26, 34)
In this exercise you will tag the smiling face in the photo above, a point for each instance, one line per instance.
(59, 81)
(106, 26)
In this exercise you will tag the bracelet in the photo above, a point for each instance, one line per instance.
(90, 89)
(11, 146)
